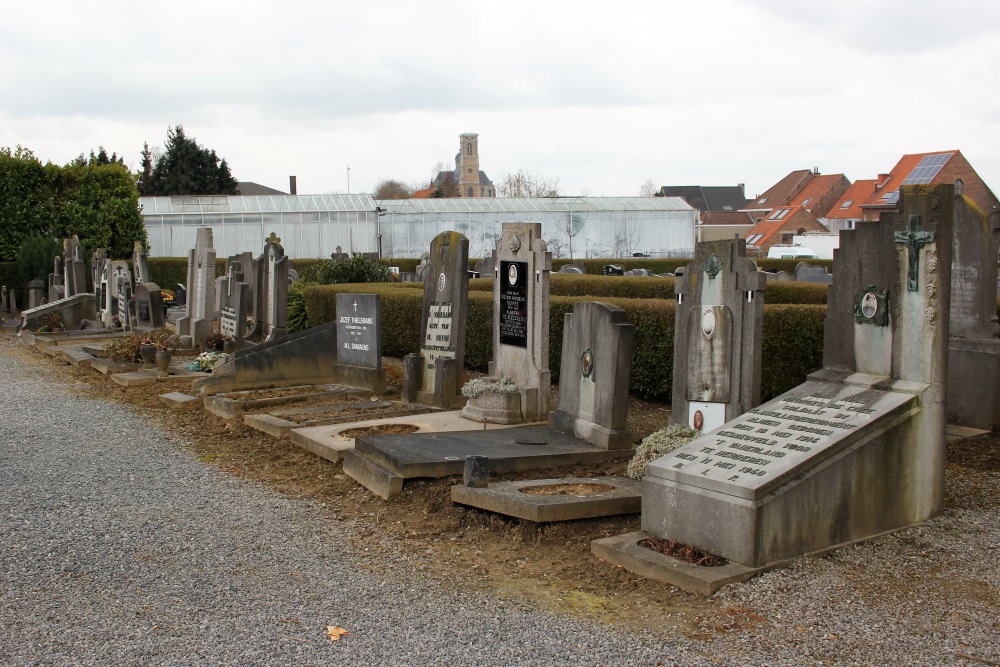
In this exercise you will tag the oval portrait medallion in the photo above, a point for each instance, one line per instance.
(512, 274)
(869, 305)
(708, 323)
(587, 363)
(442, 282)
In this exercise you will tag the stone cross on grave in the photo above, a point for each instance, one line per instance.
(914, 238)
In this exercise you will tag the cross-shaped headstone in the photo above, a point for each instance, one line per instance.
(914, 238)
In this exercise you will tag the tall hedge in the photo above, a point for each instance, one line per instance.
(792, 348)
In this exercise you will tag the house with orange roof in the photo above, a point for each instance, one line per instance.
(807, 188)
(780, 227)
(846, 213)
(928, 169)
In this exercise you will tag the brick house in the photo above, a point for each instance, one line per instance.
(808, 189)
(846, 213)
(780, 227)
(933, 169)
(719, 205)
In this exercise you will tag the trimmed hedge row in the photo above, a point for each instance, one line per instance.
(793, 334)
(596, 266)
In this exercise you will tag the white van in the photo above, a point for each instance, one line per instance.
(790, 252)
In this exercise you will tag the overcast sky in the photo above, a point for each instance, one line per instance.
(599, 95)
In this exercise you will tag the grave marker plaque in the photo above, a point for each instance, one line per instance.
(359, 330)
(514, 304)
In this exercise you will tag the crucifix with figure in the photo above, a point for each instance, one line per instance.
(914, 238)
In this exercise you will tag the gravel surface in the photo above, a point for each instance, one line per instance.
(120, 548)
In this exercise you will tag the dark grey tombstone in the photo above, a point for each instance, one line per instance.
(36, 294)
(234, 298)
(180, 295)
(359, 341)
(12, 301)
(718, 332)
(859, 448)
(148, 307)
(118, 274)
(3, 299)
(594, 375)
(974, 343)
(271, 310)
(807, 273)
(434, 375)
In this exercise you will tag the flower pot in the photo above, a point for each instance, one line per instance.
(148, 353)
(163, 358)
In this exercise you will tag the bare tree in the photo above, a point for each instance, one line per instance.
(524, 184)
(568, 228)
(388, 188)
(648, 188)
(628, 236)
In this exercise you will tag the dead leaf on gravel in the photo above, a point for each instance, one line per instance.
(335, 633)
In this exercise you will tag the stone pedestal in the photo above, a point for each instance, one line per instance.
(495, 407)
(521, 315)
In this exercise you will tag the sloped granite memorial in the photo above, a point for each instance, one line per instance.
(359, 342)
(718, 331)
(855, 451)
(118, 275)
(594, 375)
(305, 357)
(520, 326)
(974, 345)
(434, 375)
(199, 322)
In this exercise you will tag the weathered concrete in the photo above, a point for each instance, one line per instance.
(383, 483)
(234, 404)
(177, 400)
(509, 499)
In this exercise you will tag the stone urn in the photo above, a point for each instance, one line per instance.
(148, 353)
(163, 358)
(494, 407)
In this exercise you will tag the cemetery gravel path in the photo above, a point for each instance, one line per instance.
(118, 547)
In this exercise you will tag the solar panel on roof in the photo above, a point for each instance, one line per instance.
(927, 169)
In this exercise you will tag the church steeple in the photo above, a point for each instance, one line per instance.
(468, 165)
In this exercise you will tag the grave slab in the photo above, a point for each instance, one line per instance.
(515, 449)
(77, 356)
(515, 499)
(624, 550)
(277, 423)
(323, 440)
(234, 404)
(134, 378)
(177, 400)
(383, 483)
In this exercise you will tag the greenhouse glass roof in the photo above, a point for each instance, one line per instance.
(254, 203)
(539, 204)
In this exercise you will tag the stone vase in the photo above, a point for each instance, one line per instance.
(148, 354)
(495, 408)
(163, 358)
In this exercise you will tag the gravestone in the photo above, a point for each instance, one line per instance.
(569, 269)
(12, 300)
(520, 322)
(434, 375)
(180, 295)
(485, 268)
(807, 273)
(198, 323)
(234, 302)
(594, 375)
(247, 267)
(718, 329)
(118, 274)
(97, 261)
(36, 294)
(856, 450)
(56, 287)
(359, 342)
(74, 268)
(974, 345)
(102, 291)
(140, 265)
(3, 299)
(125, 302)
(271, 310)
(148, 307)
(422, 265)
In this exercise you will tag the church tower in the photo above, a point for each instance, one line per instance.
(467, 164)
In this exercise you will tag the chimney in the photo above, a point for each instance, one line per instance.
(292, 190)
(882, 180)
(815, 170)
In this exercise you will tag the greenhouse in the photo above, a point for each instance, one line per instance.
(317, 225)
